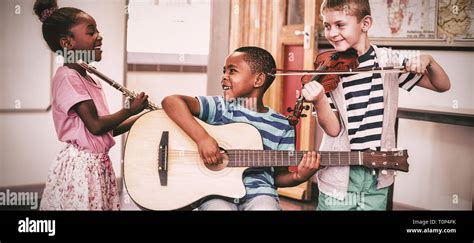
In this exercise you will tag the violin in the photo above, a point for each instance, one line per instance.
(328, 66)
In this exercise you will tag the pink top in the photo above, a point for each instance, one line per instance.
(68, 89)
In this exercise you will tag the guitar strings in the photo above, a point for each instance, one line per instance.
(282, 154)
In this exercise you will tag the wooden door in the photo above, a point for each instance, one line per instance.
(298, 40)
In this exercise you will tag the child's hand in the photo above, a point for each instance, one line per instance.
(313, 92)
(209, 151)
(308, 166)
(139, 103)
(418, 64)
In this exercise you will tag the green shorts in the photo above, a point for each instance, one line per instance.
(362, 193)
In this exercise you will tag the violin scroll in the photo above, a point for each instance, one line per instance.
(297, 111)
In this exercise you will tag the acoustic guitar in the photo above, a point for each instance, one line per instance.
(163, 169)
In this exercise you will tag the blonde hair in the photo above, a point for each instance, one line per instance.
(358, 8)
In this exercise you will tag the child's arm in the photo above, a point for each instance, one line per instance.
(435, 78)
(306, 168)
(329, 122)
(125, 126)
(99, 125)
(181, 110)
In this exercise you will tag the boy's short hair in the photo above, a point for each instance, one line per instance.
(259, 60)
(358, 8)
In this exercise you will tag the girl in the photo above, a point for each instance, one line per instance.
(81, 177)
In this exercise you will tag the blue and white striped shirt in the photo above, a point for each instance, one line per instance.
(364, 102)
(275, 130)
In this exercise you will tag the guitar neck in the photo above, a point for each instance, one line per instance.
(274, 158)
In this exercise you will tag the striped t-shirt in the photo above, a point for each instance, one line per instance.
(275, 130)
(364, 102)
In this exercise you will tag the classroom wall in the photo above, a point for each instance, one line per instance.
(440, 176)
(219, 45)
(459, 65)
(441, 165)
(158, 85)
(28, 142)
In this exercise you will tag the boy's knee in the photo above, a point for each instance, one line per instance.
(218, 205)
(262, 203)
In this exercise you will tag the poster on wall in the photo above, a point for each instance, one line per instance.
(422, 22)
(449, 20)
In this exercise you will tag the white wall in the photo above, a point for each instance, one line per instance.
(157, 85)
(28, 140)
(2, 152)
(17, 17)
(441, 164)
(219, 46)
(459, 66)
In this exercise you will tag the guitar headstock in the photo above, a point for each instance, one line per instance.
(392, 160)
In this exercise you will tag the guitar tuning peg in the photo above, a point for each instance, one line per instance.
(384, 172)
(289, 109)
(373, 172)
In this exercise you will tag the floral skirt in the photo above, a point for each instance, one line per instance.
(79, 180)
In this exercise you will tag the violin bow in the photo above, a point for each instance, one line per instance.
(289, 72)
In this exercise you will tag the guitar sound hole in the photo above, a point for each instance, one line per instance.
(221, 166)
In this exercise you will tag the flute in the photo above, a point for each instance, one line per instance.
(127, 93)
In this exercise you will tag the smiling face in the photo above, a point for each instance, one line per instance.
(86, 36)
(344, 31)
(237, 79)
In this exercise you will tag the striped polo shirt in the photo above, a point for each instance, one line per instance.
(274, 129)
(364, 102)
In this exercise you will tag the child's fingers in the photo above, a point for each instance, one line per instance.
(413, 67)
(315, 89)
(218, 157)
(309, 159)
(424, 67)
(408, 65)
(314, 160)
(306, 95)
(312, 87)
(203, 157)
(318, 160)
(215, 157)
(212, 159)
(206, 158)
(303, 161)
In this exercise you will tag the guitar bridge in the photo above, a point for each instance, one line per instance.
(163, 159)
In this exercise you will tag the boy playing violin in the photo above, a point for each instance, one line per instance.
(360, 113)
